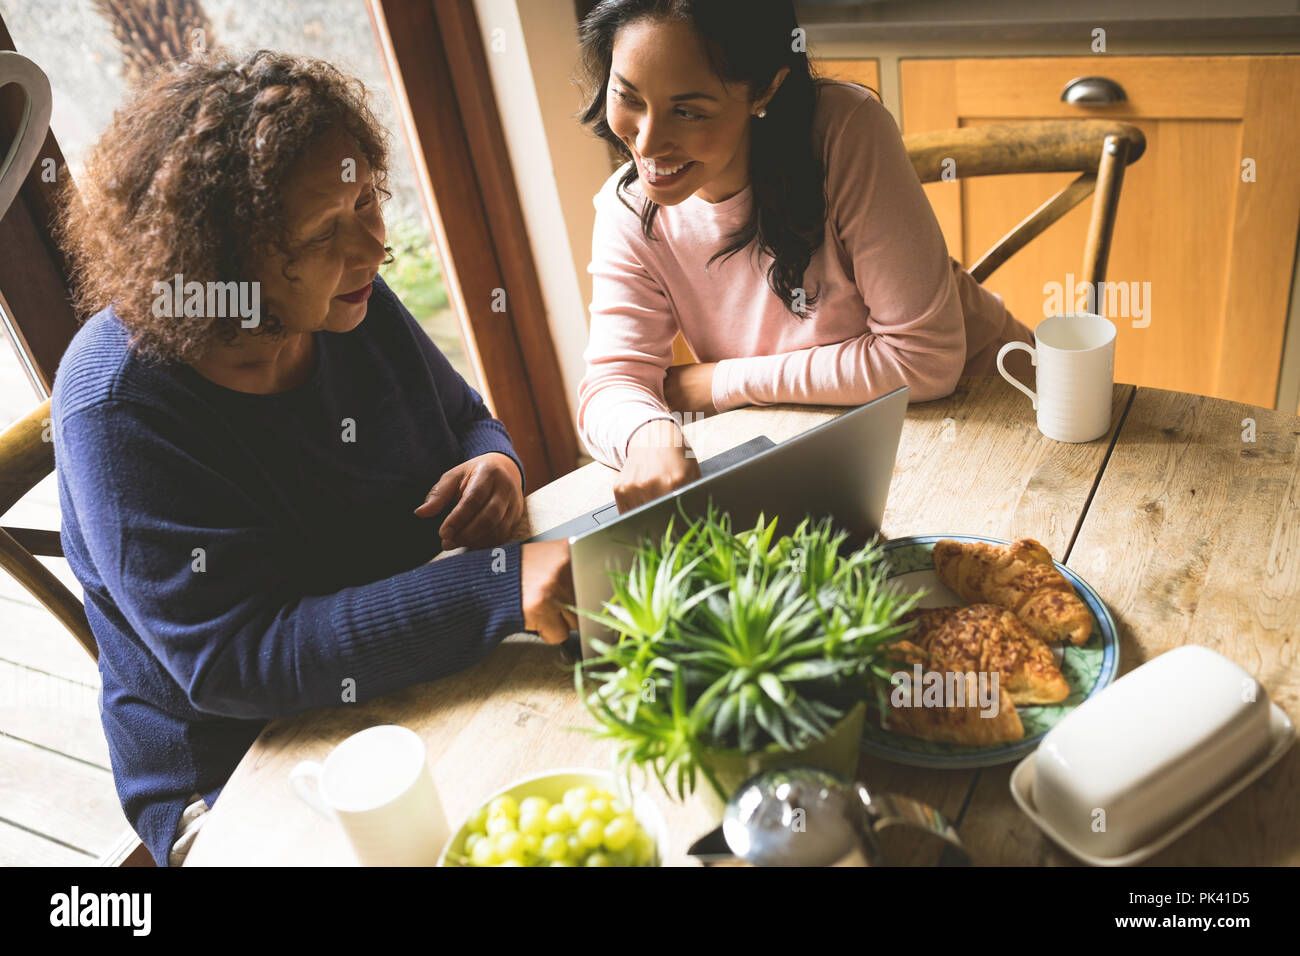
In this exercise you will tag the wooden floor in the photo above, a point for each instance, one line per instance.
(57, 802)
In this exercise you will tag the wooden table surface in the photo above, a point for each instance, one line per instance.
(1185, 518)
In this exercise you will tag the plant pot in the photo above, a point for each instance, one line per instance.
(837, 752)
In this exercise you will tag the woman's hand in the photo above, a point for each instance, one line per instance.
(489, 495)
(656, 464)
(689, 388)
(546, 586)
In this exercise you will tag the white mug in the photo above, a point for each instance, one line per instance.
(1075, 358)
(29, 138)
(376, 785)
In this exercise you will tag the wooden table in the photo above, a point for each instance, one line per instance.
(1185, 518)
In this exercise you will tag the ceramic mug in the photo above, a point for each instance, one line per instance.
(1075, 358)
(30, 135)
(376, 786)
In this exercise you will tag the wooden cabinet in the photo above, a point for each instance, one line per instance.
(1208, 217)
(863, 72)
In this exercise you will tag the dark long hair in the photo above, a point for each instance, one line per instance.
(748, 41)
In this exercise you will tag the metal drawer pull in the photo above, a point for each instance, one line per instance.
(1089, 90)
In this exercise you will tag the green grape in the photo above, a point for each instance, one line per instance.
(577, 849)
(510, 846)
(534, 805)
(576, 800)
(485, 853)
(586, 827)
(618, 833)
(555, 847)
(622, 858)
(577, 810)
(591, 833)
(532, 821)
(642, 847)
(600, 807)
(558, 819)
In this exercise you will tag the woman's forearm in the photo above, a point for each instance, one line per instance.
(611, 410)
(846, 373)
(360, 642)
(212, 585)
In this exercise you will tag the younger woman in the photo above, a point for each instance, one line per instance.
(772, 218)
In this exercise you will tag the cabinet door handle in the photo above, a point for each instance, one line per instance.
(1091, 90)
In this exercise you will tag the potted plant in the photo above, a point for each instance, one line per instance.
(735, 652)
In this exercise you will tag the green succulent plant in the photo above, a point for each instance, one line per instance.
(736, 641)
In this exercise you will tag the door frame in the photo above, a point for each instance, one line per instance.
(436, 62)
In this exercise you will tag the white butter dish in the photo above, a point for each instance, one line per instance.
(1142, 762)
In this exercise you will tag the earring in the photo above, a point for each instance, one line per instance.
(761, 113)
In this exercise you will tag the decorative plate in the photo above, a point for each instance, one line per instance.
(1087, 669)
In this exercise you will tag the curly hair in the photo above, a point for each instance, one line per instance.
(187, 179)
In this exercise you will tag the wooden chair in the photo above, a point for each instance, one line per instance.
(27, 457)
(1097, 149)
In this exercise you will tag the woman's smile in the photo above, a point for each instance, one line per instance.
(658, 172)
(358, 295)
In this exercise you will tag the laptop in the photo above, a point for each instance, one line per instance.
(841, 469)
(608, 513)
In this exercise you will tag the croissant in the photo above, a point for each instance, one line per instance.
(950, 723)
(986, 638)
(1019, 577)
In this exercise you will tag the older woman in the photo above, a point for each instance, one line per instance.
(258, 448)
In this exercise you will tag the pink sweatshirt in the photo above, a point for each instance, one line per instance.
(894, 307)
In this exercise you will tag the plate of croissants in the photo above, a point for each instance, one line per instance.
(1005, 643)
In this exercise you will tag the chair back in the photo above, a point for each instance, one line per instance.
(1096, 149)
(26, 458)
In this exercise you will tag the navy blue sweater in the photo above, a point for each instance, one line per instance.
(246, 557)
